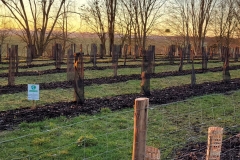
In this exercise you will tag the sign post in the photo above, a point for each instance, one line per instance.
(33, 93)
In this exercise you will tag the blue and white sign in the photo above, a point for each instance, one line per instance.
(33, 91)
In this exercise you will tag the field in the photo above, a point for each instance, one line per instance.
(102, 128)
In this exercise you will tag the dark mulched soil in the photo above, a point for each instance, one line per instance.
(10, 118)
(106, 80)
(109, 66)
(196, 151)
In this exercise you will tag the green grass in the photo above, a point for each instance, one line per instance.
(90, 74)
(108, 135)
(8, 101)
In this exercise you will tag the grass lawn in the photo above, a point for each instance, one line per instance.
(108, 135)
(104, 90)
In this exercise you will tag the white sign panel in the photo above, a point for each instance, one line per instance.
(33, 91)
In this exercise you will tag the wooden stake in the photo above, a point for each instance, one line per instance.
(214, 143)
(140, 128)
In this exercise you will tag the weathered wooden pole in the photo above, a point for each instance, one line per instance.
(129, 50)
(180, 52)
(151, 48)
(0, 53)
(93, 54)
(114, 60)
(226, 73)
(58, 55)
(125, 50)
(171, 54)
(73, 47)
(193, 75)
(78, 83)
(70, 65)
(140, 128)
(204, 59)
(236, 52)
(188, 52)
(101, 51)
(145, 73)
(136, 52)
(119, 50)
(29, 54)
(16, 57)
(12, 66)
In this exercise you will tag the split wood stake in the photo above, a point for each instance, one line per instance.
(152, 153)
(214, 143)
(140, 128)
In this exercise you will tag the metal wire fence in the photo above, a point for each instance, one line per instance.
(178, 129)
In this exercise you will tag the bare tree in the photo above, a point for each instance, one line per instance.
(124, 22)
(225, 22)
(65, 24)
(201, 12)
(5, 32)
(127, 8)
(146, 15)
(37, 26)
(94, 16)
(111, 6)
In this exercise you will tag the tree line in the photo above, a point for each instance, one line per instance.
(41, 22)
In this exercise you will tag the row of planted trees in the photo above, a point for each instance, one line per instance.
(75, 65)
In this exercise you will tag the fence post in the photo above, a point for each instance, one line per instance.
(12, 65)
(114, 59)
(70, 65)
(214, 143)
(78, 83)
(140, 128)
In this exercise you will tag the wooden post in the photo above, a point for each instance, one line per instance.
(73, 47)
(204, 59)
(140, 128)
(226, 73)
(16, 57)
(193, 75)
(125, 50)
(93, 54)
(119, 50)
(180, 52)
(29, 54)
(214, 143)
(114, 60)
(81, 48)
(58, 55)
(12, 65)
(136, 52)
(171, 54)
(0, 53)
(236, 54)
(70, 67)
(151, 48)
(101, 51)
(78, 83)
(152, 153)
(145, 73)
